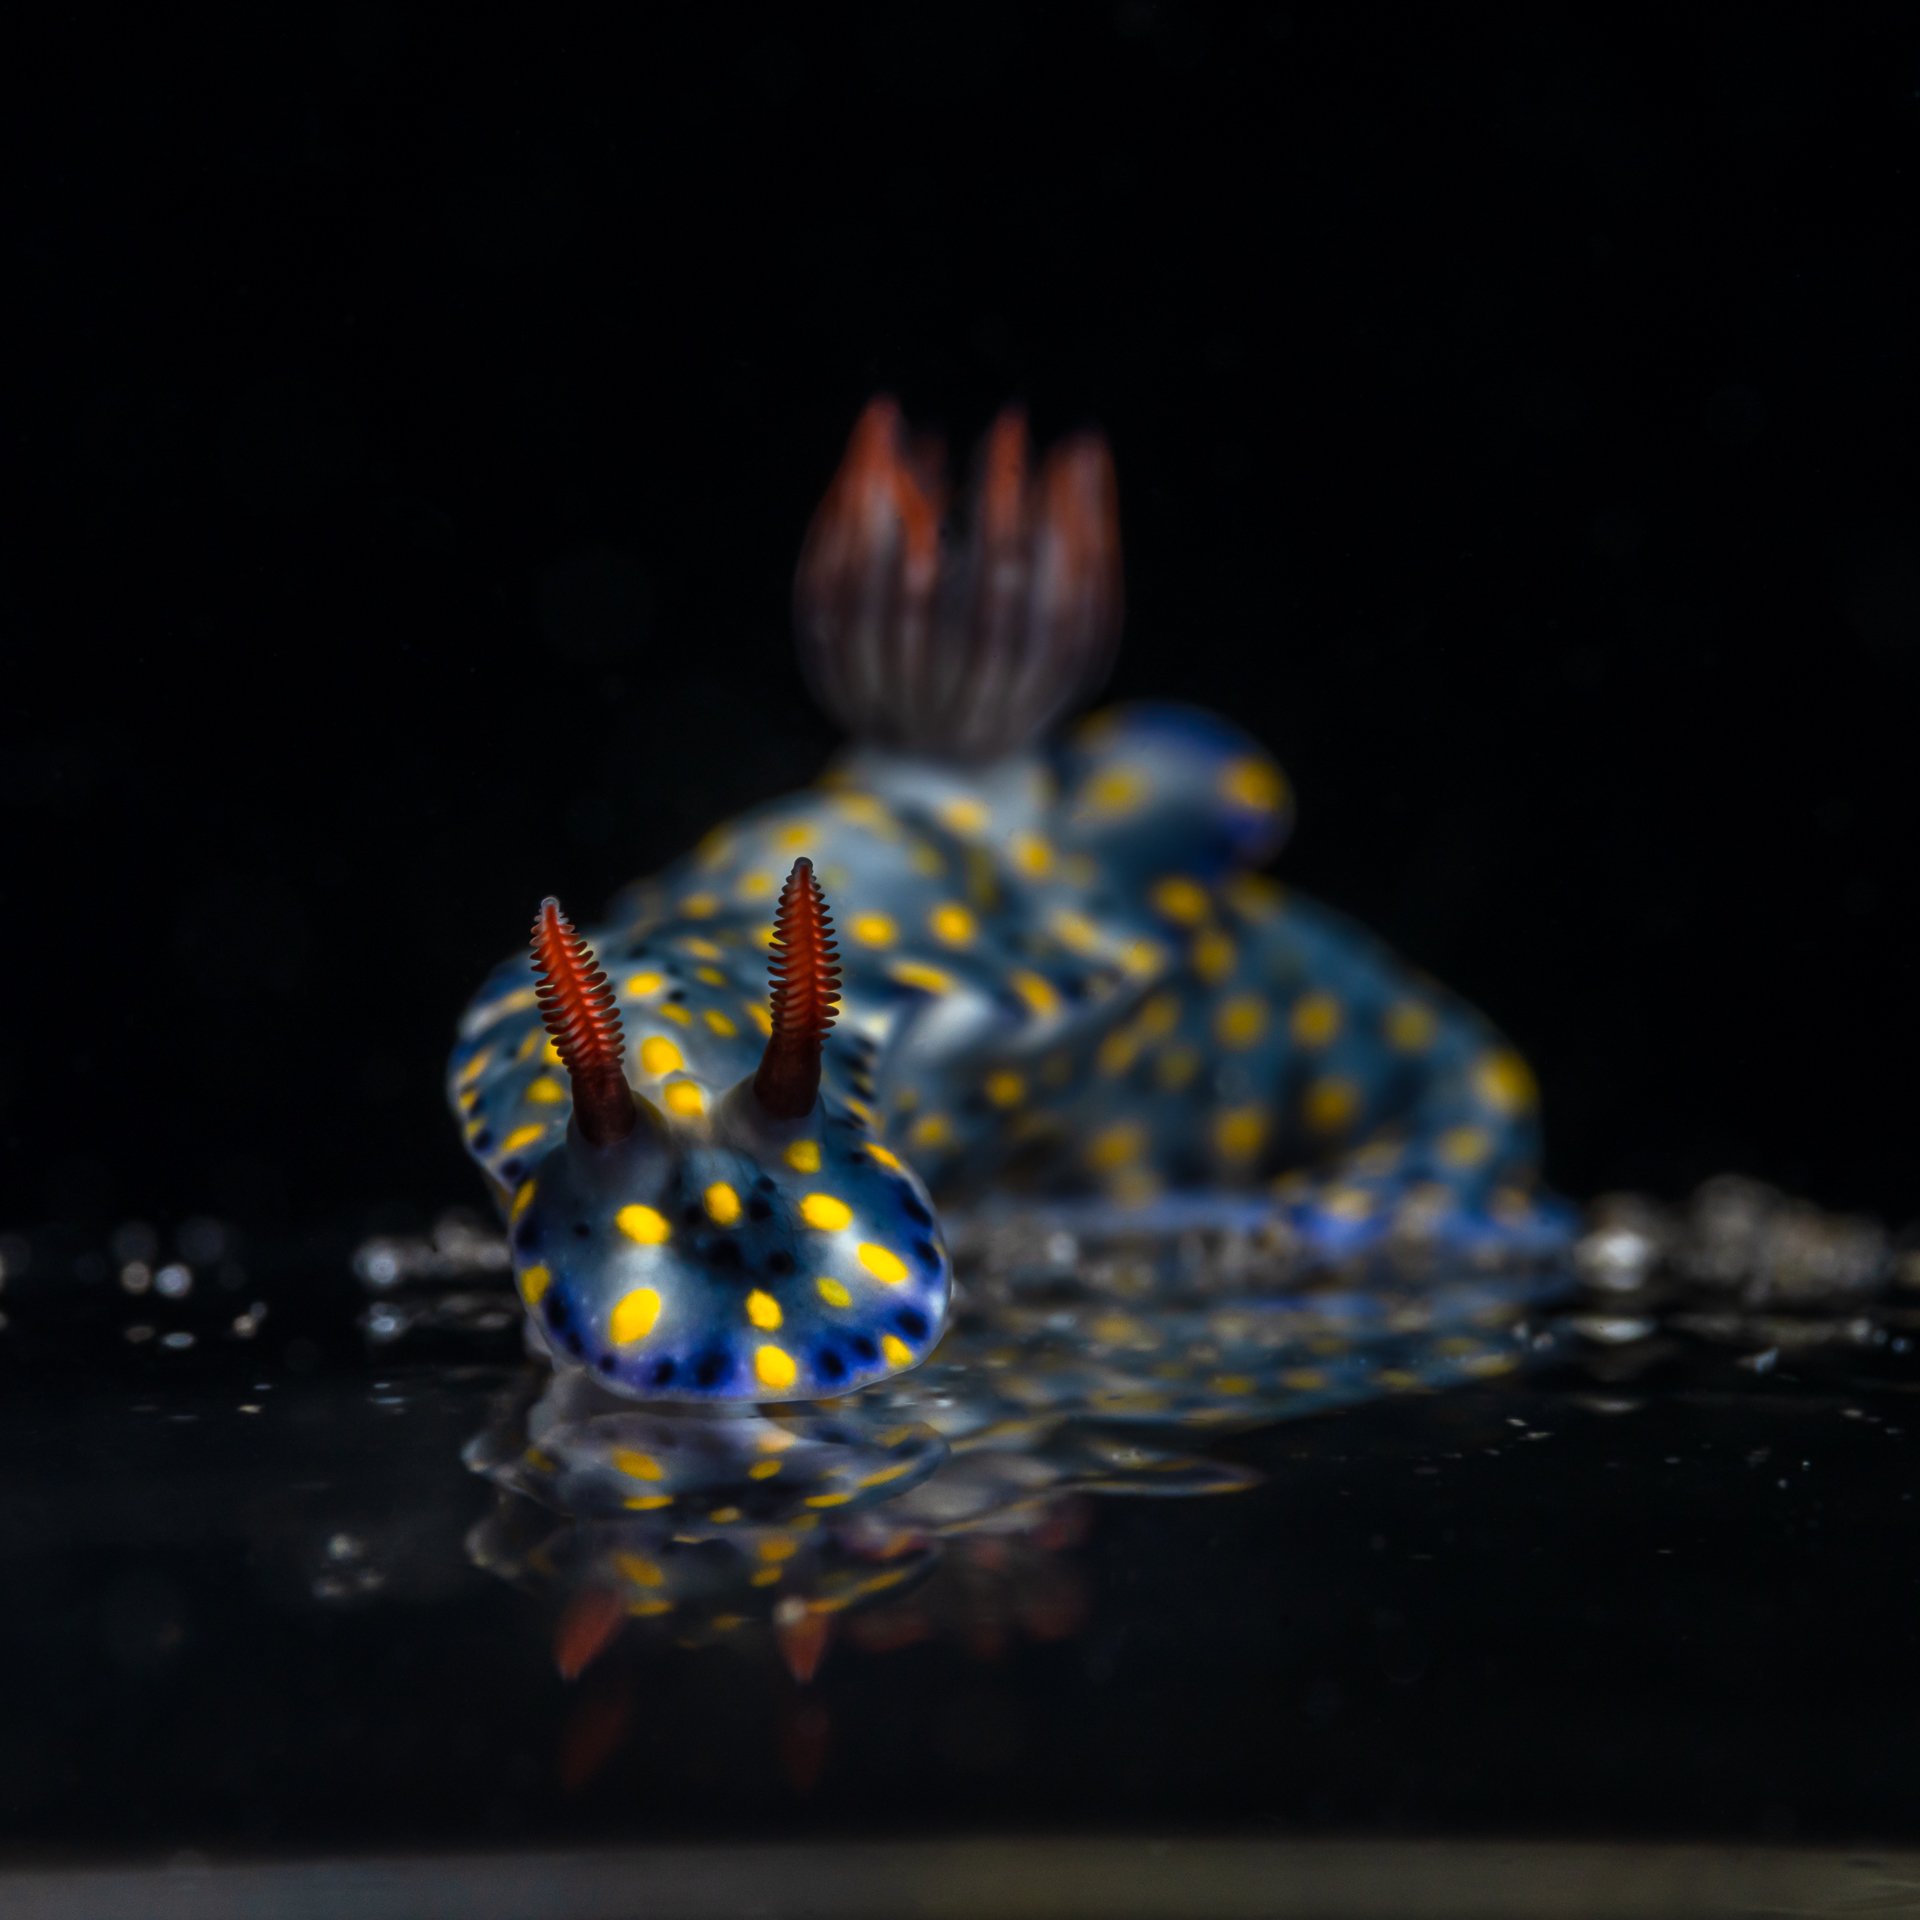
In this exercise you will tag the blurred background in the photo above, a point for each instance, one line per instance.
(415, 423)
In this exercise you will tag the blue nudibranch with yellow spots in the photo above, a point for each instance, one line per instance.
(1057, 980)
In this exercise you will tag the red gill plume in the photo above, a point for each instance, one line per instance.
(576, 1002)
(805, 996)
(961, 635)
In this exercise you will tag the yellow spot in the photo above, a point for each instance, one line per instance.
(910, 973)
(530, 1045)
(1316, 1019)
(882, 1262)
(1464, 1146)
(658, 1054)
(700, 906)
(763, 1470)
(1239, 1132)
(952, 923)
(763, 1310)
(685, 1098)
(755, 885)
(775, 1368)
(1254, 784)
(1075, 932)
(1005, 1088)
(825, 1211)
(546, 1092)
(1349, 1203)
(1411, 1026)
(475, 1067)
(1180, 899)
(1241, 1021)
(1213, 956)
(803, 1156)
(796, 838)
(719, 1022)
(637, 1465)
(639, 1570)
(1117, 790)
(711, 977)
(964, 816)
(761, 1016)
(634, 1315)
(520, 1137)
(522, 1200)
(1037, 992)
(832, 1292)
(872, 929)
(1117, 1052)
(678, 1015)
(1031, 855)
(644, 1224)
(647, 1502)
(715, 848)
(1175, 1068)
(1143, 958)
(723, 1204)
(701, 949)
(931, 1130)
(1504, 1081)
(549, 1053)
(898, 1353)
(534, 1284)
(1330, 1104)
(1115, 1146)
(925, 860)
(1303, 1380)
(646, 982)
(875, 1151)
(764, 1577)
(1232, 1383)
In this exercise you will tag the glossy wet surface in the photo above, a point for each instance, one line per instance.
(281, 1591)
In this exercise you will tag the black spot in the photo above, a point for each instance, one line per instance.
(483, 1139)
(829, 1365)
(923, 1251)
(863, 1348)
(912, 1322)
(605, 1363)
(780, 1262)
(721, 1251)
(581, 1231)
(711, 1367)
(678, 994)
(574, 1344)
(692, 1214)
(912, 1206)
(759, 1208)
(660, 1374)
(764, 1184)
(511, 1170)
(526, 1234)
(554, 1308)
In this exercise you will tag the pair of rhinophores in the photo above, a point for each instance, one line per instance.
(724, 1126)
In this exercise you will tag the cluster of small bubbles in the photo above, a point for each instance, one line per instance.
(348, 1573)
(1734, 1235)
(459, 1248)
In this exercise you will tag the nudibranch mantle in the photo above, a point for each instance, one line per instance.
(1058, 975)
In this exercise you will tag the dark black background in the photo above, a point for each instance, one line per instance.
(1516, 420)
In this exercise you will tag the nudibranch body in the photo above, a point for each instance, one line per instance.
(1056, 974)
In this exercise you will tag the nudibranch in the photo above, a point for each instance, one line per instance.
(722, 1133)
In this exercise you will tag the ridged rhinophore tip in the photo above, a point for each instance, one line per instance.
(577, 1005)
(964, 640)
(804, 997)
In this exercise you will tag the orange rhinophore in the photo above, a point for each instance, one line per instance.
(804, 998)
(576, 1002)
(961, 638)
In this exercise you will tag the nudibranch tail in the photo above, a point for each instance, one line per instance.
(576, 1002)
(965, 642)
(804, 997)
